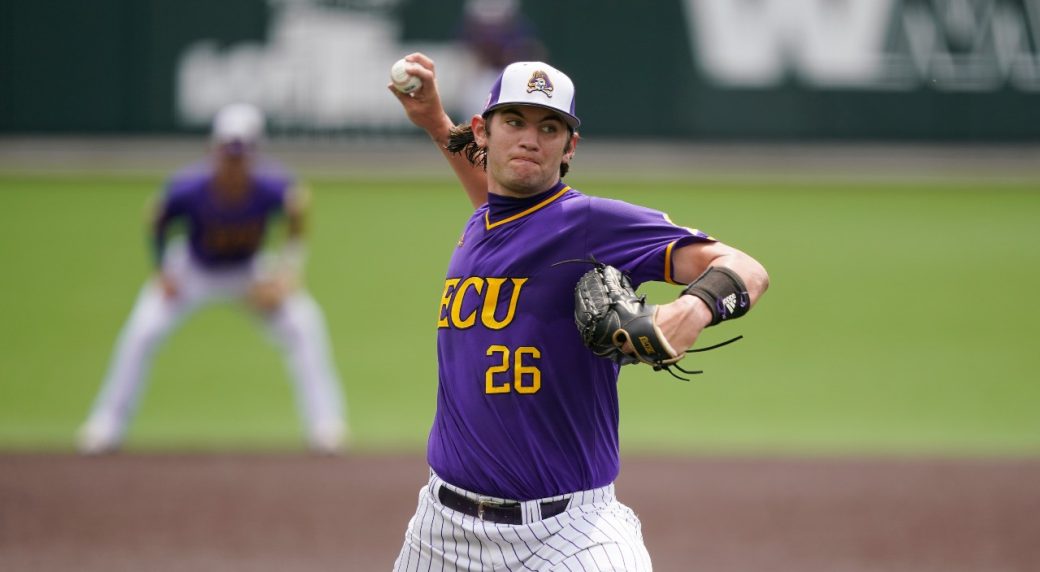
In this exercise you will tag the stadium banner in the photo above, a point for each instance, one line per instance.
(693, 69)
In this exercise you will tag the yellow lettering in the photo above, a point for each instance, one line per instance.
(647, 346)
(487, 315)
(520, 370)
(234, 238)
(489, 375)
(531, 384)
(449, 286)
(456, 305)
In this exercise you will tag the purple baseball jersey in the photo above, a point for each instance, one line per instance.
(221, 232)
(524, 409)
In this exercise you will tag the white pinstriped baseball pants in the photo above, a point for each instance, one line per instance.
(595, 534)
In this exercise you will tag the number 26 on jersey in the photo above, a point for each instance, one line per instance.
(513, 370)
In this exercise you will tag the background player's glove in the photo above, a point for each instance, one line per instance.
(267, 294)
(609, 313)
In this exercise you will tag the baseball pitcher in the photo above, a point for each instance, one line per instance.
(523, 450)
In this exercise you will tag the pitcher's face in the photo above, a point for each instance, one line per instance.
(525, 146)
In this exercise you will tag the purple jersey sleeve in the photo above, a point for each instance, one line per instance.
(637, 240)
(274, 183)
(176, 203)
(179, 190)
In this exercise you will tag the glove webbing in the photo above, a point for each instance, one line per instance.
(592, 260)
(668, 368)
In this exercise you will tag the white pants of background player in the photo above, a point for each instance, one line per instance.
(297, 326)
(595, 534)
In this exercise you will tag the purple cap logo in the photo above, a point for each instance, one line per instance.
(540, 82)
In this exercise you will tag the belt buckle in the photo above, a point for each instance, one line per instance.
(482, 503)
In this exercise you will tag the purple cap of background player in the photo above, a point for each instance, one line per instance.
(534, 83)
(238, 127)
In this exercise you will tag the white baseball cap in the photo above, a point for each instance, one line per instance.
(534, 83)
(238, 123)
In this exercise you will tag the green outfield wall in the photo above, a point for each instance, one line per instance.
(694, 69)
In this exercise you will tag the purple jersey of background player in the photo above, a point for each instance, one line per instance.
(555, 429)
(222, 231)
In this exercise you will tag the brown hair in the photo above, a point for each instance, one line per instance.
(461, 140)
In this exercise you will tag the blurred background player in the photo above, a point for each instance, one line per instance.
(227, 203)
(496, 33)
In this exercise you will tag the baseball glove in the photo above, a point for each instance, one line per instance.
(608, 312)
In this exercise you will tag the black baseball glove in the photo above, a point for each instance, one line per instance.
(608, 312)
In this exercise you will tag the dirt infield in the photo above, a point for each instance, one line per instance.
(301, 513)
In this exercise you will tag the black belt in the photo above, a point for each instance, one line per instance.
(507, 513)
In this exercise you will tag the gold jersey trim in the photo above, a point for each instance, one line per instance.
(490, 225)
(668, 263)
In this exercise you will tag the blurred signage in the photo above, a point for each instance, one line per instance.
(954, 45)
(737, 69)
(323, 65)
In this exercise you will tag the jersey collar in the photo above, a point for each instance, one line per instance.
(504, 210)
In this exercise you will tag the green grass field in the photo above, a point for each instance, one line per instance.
(901, 320)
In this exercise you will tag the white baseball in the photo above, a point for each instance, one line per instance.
(402, 80)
